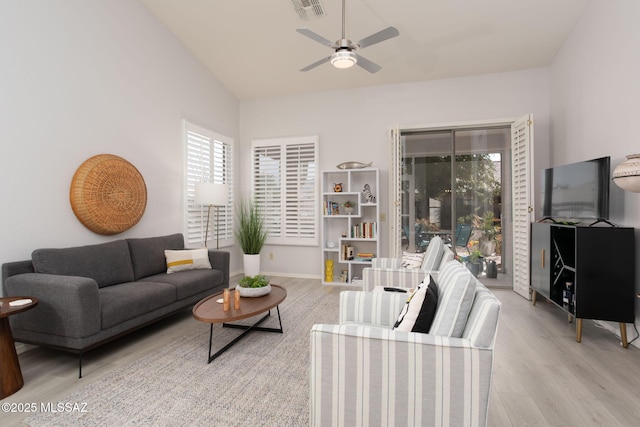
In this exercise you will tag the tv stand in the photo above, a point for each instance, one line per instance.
(589, 272)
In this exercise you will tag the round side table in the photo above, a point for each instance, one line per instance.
(10, 373)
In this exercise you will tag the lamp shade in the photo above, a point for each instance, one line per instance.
(210, 194)
(627, 174)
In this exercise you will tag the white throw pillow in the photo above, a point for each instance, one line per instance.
(412, 260)
(188, 259)
(419, 311)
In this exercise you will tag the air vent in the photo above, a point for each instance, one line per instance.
(308, 9)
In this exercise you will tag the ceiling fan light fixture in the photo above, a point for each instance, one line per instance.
(344, 59)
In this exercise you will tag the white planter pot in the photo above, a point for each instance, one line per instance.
(254, 292)
(251, 265)
(487, 247)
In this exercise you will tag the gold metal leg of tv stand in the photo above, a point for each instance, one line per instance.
(623, 332)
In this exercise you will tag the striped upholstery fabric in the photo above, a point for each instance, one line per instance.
(365, 375)
(433, 254)
(389, 272)
(386, 263)
(482, 322)
(447, 255)
(399, 278)
(371, 308)
(456, 291)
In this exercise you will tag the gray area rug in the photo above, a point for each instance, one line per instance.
(262, 381)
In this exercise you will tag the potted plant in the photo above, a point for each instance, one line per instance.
(348, 206)
(474, 262)
(490, 228)
(251, 234)
(254, 286)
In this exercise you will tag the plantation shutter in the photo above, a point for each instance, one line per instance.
(208, 158)
(267, 186)
(395, 194)
(522, 199)
(285, 187)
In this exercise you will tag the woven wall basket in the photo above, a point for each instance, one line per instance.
(108, 194)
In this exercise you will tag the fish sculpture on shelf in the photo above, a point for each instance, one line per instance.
(353, 165)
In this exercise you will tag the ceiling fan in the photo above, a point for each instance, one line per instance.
(345, 56)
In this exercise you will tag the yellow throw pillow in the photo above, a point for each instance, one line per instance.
(189, 259)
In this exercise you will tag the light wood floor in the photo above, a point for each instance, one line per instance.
(542, 377)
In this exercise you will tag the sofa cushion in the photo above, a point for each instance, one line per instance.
(456, 290)
(106, 263)
(412, 260)
(418, 313)
(147, 254)
(129, 300)
(433, 254)
(188, 283)
(386, 263)
(482, 323)
(188, 259)
(447, 255)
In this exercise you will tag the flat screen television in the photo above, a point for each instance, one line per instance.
(577, 191)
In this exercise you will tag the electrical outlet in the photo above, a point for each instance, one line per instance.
(383, 217)
(270, 255)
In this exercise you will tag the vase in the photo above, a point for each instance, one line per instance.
(348, 210)
(487, 247)
(251, 264)
(627, 174)
(474, 268)
(253, 292)
(492, 269)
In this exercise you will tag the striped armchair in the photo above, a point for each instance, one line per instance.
(365, 373)
(389, 271)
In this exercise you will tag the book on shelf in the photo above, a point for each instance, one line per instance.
(364, 256)
(330, 208)
(364, 230)
(346, 252)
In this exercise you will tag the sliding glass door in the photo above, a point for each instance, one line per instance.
(453, 186)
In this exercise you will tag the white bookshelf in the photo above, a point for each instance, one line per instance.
(360, 229)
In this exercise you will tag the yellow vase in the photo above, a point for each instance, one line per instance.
(328, 270)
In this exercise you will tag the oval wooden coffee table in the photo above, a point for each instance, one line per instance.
(209, 310)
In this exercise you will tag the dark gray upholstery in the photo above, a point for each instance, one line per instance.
(80, 311)
(106, 263)
(68, 306)
(188, 282)
(129, 300)
(147, 255)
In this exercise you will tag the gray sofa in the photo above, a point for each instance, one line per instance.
(92, 294)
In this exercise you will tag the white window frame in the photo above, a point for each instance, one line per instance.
(208, 157)
(285, 182)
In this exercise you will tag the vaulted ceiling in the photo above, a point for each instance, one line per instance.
(253, 48)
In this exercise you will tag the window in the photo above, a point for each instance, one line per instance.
(208, 158)
(285, 186)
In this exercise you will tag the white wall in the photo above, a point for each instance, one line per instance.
(79, 78)
(595, 88)
(353, 126)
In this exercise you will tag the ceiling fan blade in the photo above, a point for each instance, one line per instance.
(371, 67)
(315, 64)
(378, 37)
(307, 32)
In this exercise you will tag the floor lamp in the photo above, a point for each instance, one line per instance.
(210, 194)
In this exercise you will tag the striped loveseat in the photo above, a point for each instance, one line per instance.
(365, 373)
(389, 271)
